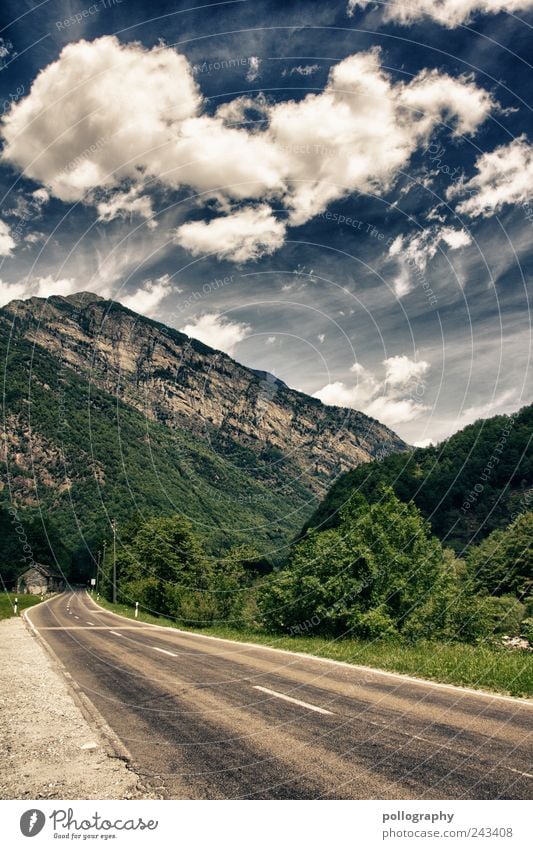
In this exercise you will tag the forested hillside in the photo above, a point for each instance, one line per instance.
(468, 486)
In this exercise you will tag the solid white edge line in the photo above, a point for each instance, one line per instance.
(385, 673)
(293, 701)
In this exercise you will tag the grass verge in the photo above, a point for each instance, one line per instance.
(482, 667)
(7, 602)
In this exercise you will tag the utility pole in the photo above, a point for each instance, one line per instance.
(98, 562)
(104, 544)
(114, 528)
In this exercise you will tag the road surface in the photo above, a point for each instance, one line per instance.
(204, 718)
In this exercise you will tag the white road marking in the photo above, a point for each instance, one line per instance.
(294, 701)
(76, 617)
(164, 651)
(526, 774)
(116, 634)
(89, 623)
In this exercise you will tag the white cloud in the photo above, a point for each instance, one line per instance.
(449, 13)
(253, 68)
(7, 242)
(42, 287)
(369, 126)
(394, 399)
(40, 196)
(402, 283)
(504, 175)
(148, 297)
(423, 443)
(419, 249)
(301, 70)
(240, 236)
(98, 114)
(455, 238)
(218, 332)
(124, 203)
(107, 115)
(505, 402)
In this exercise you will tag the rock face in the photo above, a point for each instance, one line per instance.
(182, 383)
(107, 413)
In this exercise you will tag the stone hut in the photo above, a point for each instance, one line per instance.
(40, 580)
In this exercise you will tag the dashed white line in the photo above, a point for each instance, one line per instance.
(293, 701)
(116, 634)
(526, 774)
(164, 651)
(89, 623)
(76, 617)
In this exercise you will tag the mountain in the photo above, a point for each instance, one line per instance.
(478, 480)
(110, 414)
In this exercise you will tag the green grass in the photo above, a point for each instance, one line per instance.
(484, 667)
(7, 602)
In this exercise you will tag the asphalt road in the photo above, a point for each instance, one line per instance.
(208, 719)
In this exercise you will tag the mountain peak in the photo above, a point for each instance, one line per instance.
(83, 299)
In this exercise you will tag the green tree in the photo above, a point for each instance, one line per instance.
(161, 564)
(503, 563)
(367, 576)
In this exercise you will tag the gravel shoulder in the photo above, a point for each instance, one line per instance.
(48, 748)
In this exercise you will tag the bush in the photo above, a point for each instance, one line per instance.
(526, 629)
(506, 614)
(365, 576)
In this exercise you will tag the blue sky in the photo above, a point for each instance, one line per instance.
(340, 193)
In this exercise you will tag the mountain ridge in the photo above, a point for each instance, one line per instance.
(108, 413)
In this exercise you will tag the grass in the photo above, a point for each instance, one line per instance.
(484, 667)
(7, 602)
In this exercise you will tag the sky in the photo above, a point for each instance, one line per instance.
(339, 193)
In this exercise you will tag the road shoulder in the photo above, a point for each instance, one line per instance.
(49, 749)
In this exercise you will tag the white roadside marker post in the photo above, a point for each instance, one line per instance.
(16, 607)
(136, 609)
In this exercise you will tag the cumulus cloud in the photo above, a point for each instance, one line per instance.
(394, 399)
(363, 128)
(99, 114)
(217, 331)
(504, 175)
(148, 297)
(80, 131)
(404, 372)
(417, 250)
(120, 204)
(41, 287)
(240, 236)
(449, 13)
(7, 242)
(455, 239)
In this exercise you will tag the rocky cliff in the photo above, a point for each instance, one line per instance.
(161, 382)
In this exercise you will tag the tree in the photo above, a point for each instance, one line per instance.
(366, 577)
(503, 563)
(162, 565)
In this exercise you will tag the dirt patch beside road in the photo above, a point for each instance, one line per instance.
(48, 750)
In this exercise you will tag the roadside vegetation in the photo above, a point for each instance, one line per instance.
(484, 667)
(377, 589)
(7, 604)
